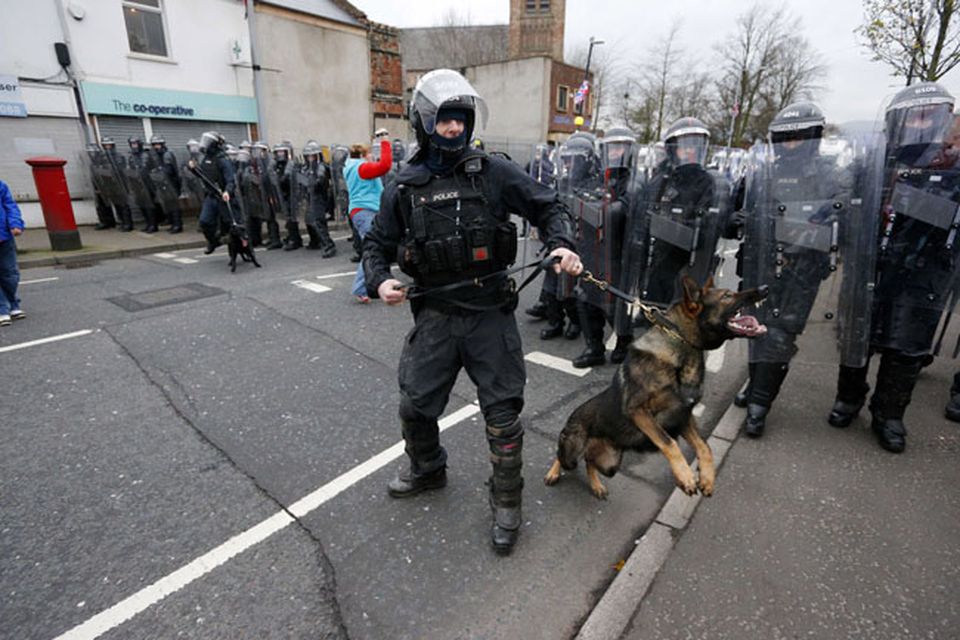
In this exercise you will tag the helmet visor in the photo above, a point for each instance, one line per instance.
(617, 155)
(442, 86)
(922, 124)
(208, 140)
(688, 149)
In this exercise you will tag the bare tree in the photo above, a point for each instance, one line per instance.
(457, 42)
(661, 76)
(748, 55)
(796, 69)
(920, 39)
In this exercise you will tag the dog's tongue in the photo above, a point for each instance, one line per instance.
(746, 326)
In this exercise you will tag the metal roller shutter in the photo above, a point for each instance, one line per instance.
(177, 132)
(120, 128)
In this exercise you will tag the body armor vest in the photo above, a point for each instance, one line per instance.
(451, 234)
(211, 168)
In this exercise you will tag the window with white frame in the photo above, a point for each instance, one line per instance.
(144, 20)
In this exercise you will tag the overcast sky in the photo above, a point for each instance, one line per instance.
(855, 87)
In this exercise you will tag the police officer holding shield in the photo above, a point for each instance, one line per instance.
(917, 262)
(446, 218)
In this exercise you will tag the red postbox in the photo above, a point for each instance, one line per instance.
(55, 202)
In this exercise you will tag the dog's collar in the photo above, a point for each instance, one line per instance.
(657, 319)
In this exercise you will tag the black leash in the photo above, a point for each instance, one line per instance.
(540, 265)
(212, 186)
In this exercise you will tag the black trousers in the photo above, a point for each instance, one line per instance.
(487, 345)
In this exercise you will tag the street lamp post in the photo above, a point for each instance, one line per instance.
(586, 71)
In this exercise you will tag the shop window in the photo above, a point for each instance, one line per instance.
(563, 96)
(145, 32)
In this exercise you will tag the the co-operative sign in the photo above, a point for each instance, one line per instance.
(146, 102)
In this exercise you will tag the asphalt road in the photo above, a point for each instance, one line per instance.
(208, 460)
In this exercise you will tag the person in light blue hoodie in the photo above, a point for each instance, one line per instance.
(362, 174)
(11, 226)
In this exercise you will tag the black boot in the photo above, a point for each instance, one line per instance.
(428, 460)
(273, 234)
(255, 229)
(852, 391)
(213, 240)
(573, 329)
(176, 221)
(293, 241)
(619, 353)
(327, 245)
(593, 356)
(895, 381)
(740, 400)
(506, 485)
(554, 317)
(537, 311)
(315, 242)
(763, 391)
(591, 320)
(952, 410)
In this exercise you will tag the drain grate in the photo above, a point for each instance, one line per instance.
(163, 297)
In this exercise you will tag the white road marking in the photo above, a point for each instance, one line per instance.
(23, 282)
(310, 286)
(147, 597)
(165, 256)
(33, 343)
(560, 364)
(715, 359)
(336, 275)
(186, 260)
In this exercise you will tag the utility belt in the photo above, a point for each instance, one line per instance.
(466, 301)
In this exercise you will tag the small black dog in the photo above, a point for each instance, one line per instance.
(239, 245)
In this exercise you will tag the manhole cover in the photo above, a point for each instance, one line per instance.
(163, 297)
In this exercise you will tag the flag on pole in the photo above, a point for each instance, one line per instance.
(582, 92)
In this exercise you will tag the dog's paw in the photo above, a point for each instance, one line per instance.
(599, 490)
(553, 476)
(686, 482)
(706, 486)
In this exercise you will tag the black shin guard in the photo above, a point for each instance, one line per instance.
(506, 484)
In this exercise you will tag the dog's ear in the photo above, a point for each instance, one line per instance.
(708, 284)
(692, 296)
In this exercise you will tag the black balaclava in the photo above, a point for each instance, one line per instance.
(445, 152)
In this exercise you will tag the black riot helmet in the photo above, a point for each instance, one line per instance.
(211, 142)
(193, 146)
(260, 149)
(917, 121)
(797, 121)
(107, 143)
(135, 143)
(282, 151)
(686, 142)
(312, 151)
(445, 89)
(617, 148)
(580, 167)
(231, 152)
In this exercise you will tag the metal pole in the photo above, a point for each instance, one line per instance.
(255, 69)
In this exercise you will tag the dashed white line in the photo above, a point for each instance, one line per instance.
(186, 260)
(560, 364)
(336, 275)
(33, 343)
(165, 256)
(310, 286)
(147, 597)
(38, 280)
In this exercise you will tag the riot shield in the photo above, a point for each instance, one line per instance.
(138, 193)
(338, 159)
(163, 188)
(811, 238)
(580, 189)
(250, 181)
(303, 183)
(541, 166)
(106, 178)
(673, 230)
(281, 187)
(918, 265)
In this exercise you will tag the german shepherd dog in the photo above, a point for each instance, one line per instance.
(238, 244)
(650, 400)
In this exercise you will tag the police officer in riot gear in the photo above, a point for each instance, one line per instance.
(117, 165)
(447, 218)
(606, 249)
(315, 180)
(798, 173)
(219, 170)
(260, 174)
(165, 177)
(143, 195)
(281, 179)
(917, 262)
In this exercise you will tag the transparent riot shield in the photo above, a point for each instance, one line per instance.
(303, 183)
(674, 227)
(338, 159)
(282, 188)
(918, 265)
(163, 188)
(811, 238)
(580, 188)
(250, 181)
(138, 193)
(542, 166)
(106, 178)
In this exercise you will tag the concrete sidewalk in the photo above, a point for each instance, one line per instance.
(812, 532)
(33, 247)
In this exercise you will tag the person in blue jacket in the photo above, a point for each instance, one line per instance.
(11, 226)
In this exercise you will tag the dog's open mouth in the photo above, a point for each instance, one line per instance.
(746, 326)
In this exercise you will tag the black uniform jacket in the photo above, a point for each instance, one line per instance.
(506, 187)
